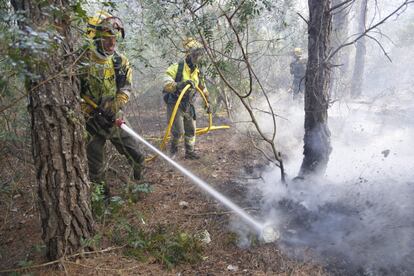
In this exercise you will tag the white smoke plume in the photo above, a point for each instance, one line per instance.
(359, 219)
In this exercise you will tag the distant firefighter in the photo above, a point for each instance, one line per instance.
(176, 78)
(298, 71)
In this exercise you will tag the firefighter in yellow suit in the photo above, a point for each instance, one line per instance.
(106, 79)
(176, 77)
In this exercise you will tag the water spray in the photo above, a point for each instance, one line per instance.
(266, 231)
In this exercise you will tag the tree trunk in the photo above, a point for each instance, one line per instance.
(339, 75)
(57, 135)
(359, 66)
(226, 99)
(317, 145)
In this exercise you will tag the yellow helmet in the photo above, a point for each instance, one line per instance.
(191, 43)
(297, 52)
(105, 23)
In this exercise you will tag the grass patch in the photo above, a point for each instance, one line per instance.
(167, 246)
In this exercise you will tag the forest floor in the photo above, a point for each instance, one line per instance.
(228, 160)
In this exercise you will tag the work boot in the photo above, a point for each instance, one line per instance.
(191, 155)
(106, 193)
(138, 172)
(173, 150)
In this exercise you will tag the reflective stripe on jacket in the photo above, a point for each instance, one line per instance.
(99, 79)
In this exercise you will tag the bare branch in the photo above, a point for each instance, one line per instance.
(244, 98)
(261, 150)
(403, 5)
(303, 18)
(201, 6)
(340, 5)
(236, 10)
(380, 45)
(245, 57)
(270, 113)
(4, 108)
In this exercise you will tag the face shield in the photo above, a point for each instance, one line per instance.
(106, 43)
(114, 26)
(197, 55)
(108, 33)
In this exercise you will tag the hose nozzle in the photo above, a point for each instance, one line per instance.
(269, 234)
(119, 122)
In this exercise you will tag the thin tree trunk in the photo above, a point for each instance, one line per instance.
(359, 66)
(57, 137)
(317, 146)
(226, 100)
(339, 75)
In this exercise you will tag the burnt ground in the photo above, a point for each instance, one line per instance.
(227, 161)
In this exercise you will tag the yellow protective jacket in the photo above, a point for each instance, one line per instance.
(104, 77)
(170, 86)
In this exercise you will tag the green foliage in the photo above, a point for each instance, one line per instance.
(171, 249)
(39, 248)
(79, 11)
(109, 4)
(98, 200)
(167, 246)
(134, 191)
(105, 207)
(229, 47)
(141, 188)
(93, 242)
(207, 22)
(25, 263)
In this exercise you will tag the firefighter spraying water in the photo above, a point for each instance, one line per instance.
(266, 231)
(103, 116)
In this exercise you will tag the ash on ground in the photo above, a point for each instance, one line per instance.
(359, 231)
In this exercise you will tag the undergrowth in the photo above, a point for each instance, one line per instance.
(166, 245)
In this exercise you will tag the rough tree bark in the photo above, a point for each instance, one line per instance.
(317, 145)
(57, 135)
(359, 66)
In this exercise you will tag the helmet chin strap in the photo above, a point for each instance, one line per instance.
(99, 51)
(189, 62)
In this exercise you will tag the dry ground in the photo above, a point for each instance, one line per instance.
(224, 163)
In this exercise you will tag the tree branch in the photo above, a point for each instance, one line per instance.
(380, 45)
(303, 18)
(340, 5)
(4, 108)
(201, 6)
(406, 3)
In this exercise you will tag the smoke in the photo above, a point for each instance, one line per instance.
(358, 219)
(361, 225)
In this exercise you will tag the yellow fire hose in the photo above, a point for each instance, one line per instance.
(199, 131)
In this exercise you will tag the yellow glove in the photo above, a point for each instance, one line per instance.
(86, 109)
(170, 87)
(114, 104)
(207, 107)
(120, 101)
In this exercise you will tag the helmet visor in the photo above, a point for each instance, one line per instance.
(112, 26)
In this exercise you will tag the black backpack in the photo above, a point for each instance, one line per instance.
(120, 77)
(178, 78)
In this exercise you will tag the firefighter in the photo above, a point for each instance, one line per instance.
(298, 70)
(176, 78)
(106, 79)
